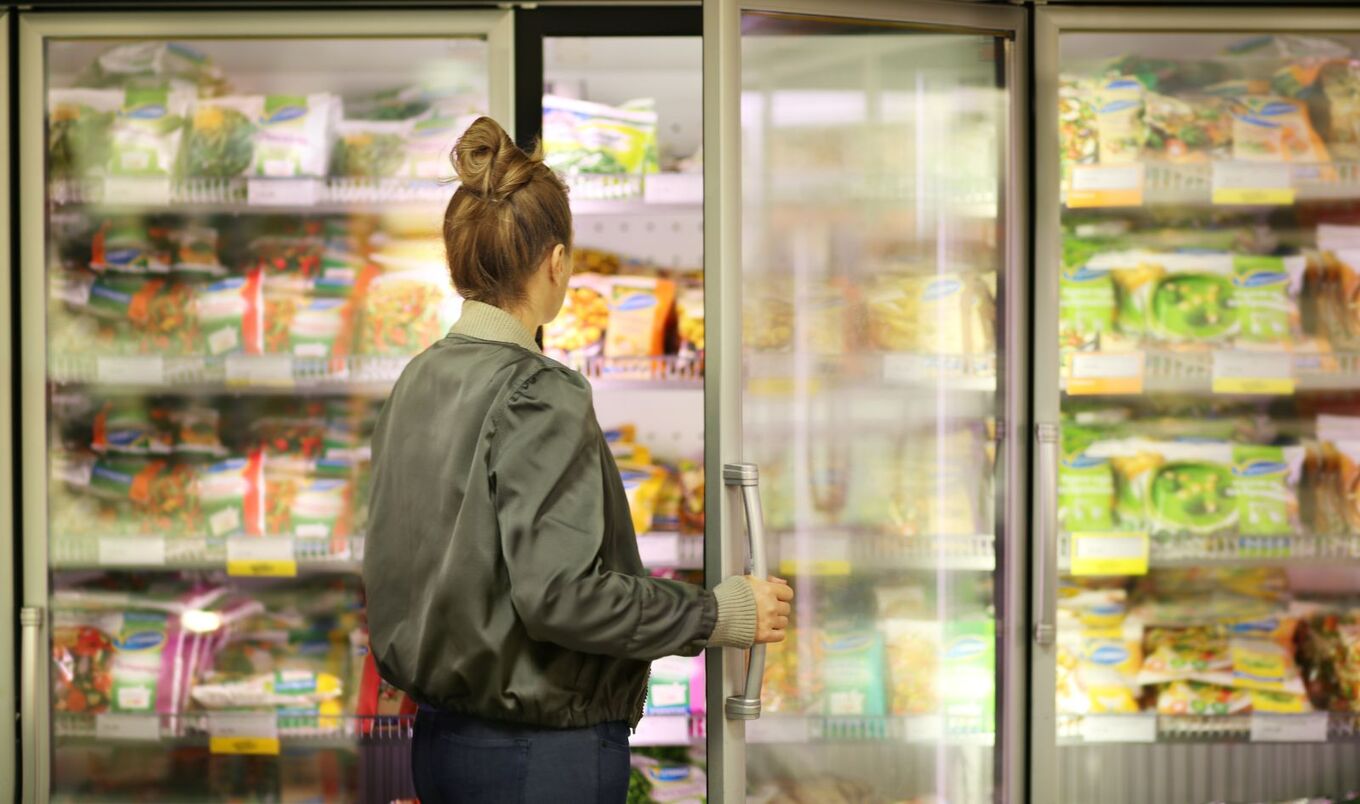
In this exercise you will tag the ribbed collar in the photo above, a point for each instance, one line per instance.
(490, 323)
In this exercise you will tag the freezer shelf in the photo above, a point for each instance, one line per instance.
(331, 731)
(1205, 372)
(1316, 727)
(357, 375)
(1163, 183)
(943, 373)
(140, 553)
(1188, 550)
(793, 729)
(832, 552)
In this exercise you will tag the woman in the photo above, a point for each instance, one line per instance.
(505, 592)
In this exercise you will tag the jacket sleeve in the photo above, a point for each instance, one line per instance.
(548, 480)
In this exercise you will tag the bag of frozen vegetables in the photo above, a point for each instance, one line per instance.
(584, 137)
(78, 126)
(145, 136)
(371, 149)
(405, 311)
(292, 136)
(230, 312)
(220, 140)
(129, 662)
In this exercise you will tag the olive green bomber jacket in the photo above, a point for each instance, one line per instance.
(501, 567)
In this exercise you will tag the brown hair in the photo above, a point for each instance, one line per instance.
(508, 214)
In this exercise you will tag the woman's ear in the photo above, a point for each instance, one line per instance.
(559, 265)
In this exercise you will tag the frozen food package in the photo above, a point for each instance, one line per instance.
(1341, 86)
(313, 509)
(79, 122)
(767, 319)
(913, 652)
(196, 250)
(852, 670)
(136, 315)
(941, 482)
(642, 485)
(1104, 664)
(1266, 297)
(230, 313)
(144, 139)
(372, 149)
(307, 325)
(155, 64)
(231, 494)
(1086, 493)
(1184, 654)
(132, 427)
(692, 496)
(130, 246)
(1274, 129)
(584, 137)
(219, 142)
(1258, 664)
(1077, 121)
(689, 306)
(791, 683)
(579, 329)
(826, 317)
(1087, 308)
(1201, 698)
(430, 141)
(1173, 296)
(292, 136)
(640, 309)
(968, 676)
(130, 662)
(197, 431)
(1119, 120)
(668, 686)
(1192, 128)
(405, 311)
(280, 688)
(951, 314)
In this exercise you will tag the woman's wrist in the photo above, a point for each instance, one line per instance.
(736, 624)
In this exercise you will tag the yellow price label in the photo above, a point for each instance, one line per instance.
(272, 568)
(1255, 386)
(1109, 553)
(268, 746)
(814, 567)
(1105, 186)
(1254, 196)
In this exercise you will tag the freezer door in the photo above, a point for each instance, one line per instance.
(865, 392)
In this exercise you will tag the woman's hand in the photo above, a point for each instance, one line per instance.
(772, 608)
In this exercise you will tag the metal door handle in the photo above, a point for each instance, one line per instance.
(746, 477)
(31, 656)
(1046, 536)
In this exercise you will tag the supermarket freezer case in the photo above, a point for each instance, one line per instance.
(1111, 751)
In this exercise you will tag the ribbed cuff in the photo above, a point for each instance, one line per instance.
(736, 626)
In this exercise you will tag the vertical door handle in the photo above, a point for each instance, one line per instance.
(1046, 536)
(745, 477)
(31, 664)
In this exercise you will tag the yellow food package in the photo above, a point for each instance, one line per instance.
(689, 308)
(913, 649)
(951, 314)
(767, 319)
(642, 485)
(1197, 698)
(1273, 129)
(639, 311)
(579, 328)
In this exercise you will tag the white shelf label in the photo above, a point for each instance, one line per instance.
(1246, 372)
(815, 555)
(130, 370)
(116, 726)
(778, 729)
(260, 369)
(283, 192)
(149, 190)
(132, 551)
(924, 728)
(1309, 727)
(1119, 728)
(1106, 373)
(1252, 183)
(659, 549)
(248, 555)
(243, 732)
(673, 188)
(1106, 186)
(662, 730)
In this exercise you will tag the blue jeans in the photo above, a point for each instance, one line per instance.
(457, 759)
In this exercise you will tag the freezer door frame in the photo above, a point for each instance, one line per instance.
(34, 31)
(724, 552)
(9, 701)
(1050, 23)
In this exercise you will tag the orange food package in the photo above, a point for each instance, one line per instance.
(640, 309)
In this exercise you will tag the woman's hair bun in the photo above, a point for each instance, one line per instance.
(489, 164)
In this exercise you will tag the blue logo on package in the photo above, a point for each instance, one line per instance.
(1083, 274)
(941, 288)
(1260, 279)
(122, 256)
(285, 114)
(1110, 655)
(1083, 462)
(1259, 468)
(140, 640)
(1118, 106)
(848, 643)
(148, 112)
(105, 473)
(293, 683)
(964, 648)
(106, 292)
(637, 301)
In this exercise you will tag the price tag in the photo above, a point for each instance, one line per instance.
(659, 549)
(1106, 373)
(117, 726)
(1252, 183)
(662, 730)
(815, 555)
(1106, 186)
(132, 551)
(673, 188)
(924, 729)
(1256, 373)
(137, 190)
(1141, 728)
(778, 729)
(1098, 553)
(1308, 727)
(243, 733)
(283, 192)
(130, 370)
(260, 370)
(260, 556)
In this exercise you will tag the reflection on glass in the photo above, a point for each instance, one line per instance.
(243, 241)
(872, 157)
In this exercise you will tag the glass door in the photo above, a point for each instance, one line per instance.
(1198, 380)
(231, 250)
(864, 240)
